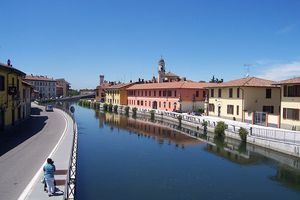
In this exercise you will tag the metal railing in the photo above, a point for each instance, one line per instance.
(70, 184)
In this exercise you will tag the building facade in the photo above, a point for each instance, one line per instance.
(100, 89)
(250, 99)
(117, 94)
(11, 95)
(63, 86)
(44, 85)
(290, 104)
(182, 96)
(26, 101)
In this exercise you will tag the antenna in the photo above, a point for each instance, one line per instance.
(247, 66)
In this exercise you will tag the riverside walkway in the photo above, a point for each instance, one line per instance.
(45, 134)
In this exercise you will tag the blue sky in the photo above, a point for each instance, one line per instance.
(123, 40)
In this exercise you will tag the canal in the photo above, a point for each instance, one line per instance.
(132, 159)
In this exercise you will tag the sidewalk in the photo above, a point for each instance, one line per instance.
(60, 155)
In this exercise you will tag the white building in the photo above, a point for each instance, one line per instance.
(44, 85)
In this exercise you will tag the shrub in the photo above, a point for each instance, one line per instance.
(201, 110)
(134, 110)
(115, 108)
(152, 113)
(127, 110)
(179, 120)
(204, 124)
(110, 107)
(220, 129)
(243, 134)
(105, 106)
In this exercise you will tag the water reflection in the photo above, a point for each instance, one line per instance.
(165, 132)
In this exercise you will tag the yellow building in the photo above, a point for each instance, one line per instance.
(11, 95)
(117, 94)
(290, 104)
(250, 99)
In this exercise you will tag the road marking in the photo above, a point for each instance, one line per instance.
(29, 187)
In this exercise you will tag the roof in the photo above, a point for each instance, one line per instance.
(170, 74)
(119, 86)
(289, 81)
(10, 68)
(247, 82)
(38, 78)
(171, 85)
(26, 83)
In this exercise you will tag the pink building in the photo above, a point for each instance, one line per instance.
(185, 96)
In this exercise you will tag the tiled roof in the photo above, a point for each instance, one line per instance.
(170, 74)
(247, 82)
(7, 67)
(167, 85)
(26, 83)
(289, 81)
(38, 78)
(119, 86)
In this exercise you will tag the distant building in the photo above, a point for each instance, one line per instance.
(164, 76)
(86, 91)
(290, 104)
(185, 96)
(63, 85)
(250, 99)
(44, 85)
(117, 94)
(100, 89)
(11, 95)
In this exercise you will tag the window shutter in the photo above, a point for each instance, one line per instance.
(284, 113)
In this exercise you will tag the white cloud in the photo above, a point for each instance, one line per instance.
(281, 71)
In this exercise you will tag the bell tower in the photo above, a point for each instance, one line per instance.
(161, 69)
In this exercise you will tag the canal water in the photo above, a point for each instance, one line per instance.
(132, 159)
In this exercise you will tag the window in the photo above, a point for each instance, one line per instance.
(169, 104)
(211, 107)
(212, 93)
(160, 93)
(138, 102)
(164, 93)
(204, 94)
(230, 109)
(291, 91)
(2, 80)
(290, 113)
(169, 93)
(237, 110)
(154, 93)
(142, 103)
(238, 92)
(175, 93)
(268, 109)
(197, 93)
(268, 93)
(219, 93)
(230, 92)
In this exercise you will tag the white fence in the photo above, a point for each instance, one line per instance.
(267, 133)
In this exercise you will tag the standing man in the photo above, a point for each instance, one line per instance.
(49, 170)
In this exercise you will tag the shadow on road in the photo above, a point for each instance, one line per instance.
(16, 135)
(36, 111)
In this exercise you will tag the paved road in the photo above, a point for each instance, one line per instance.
(25, 148)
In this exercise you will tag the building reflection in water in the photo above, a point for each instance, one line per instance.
(287, 167)
(147, 129)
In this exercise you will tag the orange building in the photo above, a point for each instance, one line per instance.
(185, 96)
